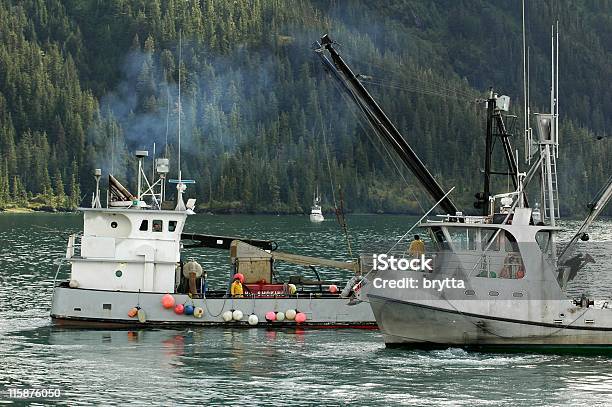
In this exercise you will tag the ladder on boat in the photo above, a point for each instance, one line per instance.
(546, 187)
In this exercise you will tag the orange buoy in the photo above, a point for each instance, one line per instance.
(133, 312)
(167, 301)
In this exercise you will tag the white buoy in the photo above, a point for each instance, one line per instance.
(142, 316)
(292, 288)
(237, 315)
(253, 320)
(73, 284)
(290, 314)
(227, 316)
(198, 312)
(280, 316)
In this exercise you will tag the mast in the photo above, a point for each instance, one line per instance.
(551, 149)
(179, 104)
(557, 92)
(180, 184)
(496, 127)
(526, 130)
(382, 124)
(484, 201)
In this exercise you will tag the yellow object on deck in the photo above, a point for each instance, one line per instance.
(236, 289)
(417, 248)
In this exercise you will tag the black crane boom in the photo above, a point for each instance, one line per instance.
(383, 125)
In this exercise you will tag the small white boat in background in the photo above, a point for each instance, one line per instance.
(316, 215)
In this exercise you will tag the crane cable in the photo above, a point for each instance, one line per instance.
(360, 120)
(339, 211)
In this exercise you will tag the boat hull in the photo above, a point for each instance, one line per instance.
(414, 324)
(86, 307)
(316, 217)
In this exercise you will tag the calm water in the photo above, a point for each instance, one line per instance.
(258, 366)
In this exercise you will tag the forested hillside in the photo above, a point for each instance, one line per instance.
(85, 83)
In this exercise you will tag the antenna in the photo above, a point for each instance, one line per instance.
(556, 112)
(167, 120)
(179, 103)
(552, 73)
(153, 166)
(112, 148)
(181, 183)
(529, 130)
(180, 187)
(526, 107)
(526, 120)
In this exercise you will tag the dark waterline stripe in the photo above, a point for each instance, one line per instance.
(513, 321)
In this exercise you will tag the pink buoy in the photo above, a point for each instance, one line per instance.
(300, 317)
(179, 309)
(240, 277)
(167, 301)
(271, 316)
(333, 289)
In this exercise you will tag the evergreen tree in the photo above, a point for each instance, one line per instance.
(75, 191)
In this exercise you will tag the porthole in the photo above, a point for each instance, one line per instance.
(518, 295)
(470, 292)
(118, 273)
(493, 293)
(114, 225)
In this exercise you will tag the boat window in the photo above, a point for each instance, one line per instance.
(487, 242)
(508, 264)
(114, 225)
(543, 239)
(513, 266)
(437, 235)
(144, 225)
(172, 226)
(463, 238)
(471, 232)
(157, 225)
(511, 245)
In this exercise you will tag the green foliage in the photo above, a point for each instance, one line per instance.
(82, 84)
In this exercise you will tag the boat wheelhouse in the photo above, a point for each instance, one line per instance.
(126, 249)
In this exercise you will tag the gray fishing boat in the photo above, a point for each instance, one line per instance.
(498, 279)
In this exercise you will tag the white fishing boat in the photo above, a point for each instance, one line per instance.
(316, 215)
(130, 265)
(497, 279)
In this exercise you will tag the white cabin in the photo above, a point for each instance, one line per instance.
(127, 250)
